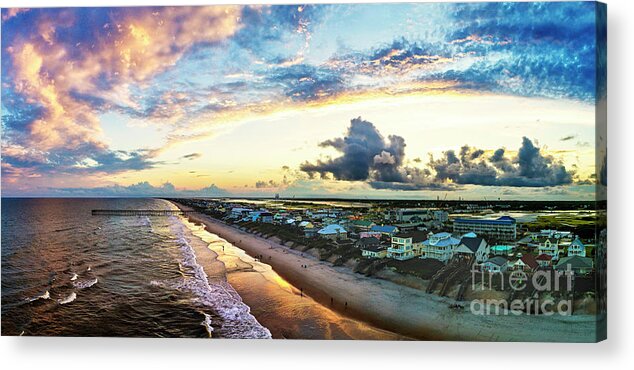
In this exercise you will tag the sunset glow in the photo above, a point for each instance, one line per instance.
(244, 100)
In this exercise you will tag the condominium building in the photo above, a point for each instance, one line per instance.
(503, 228)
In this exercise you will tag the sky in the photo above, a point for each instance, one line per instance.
(427, 100)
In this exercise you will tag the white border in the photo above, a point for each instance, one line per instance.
(617, 351)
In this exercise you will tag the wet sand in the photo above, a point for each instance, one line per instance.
(393, 307)
(276, 304)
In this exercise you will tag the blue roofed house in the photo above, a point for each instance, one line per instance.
(387, 230)
(261, 216)
(440, 246)
(333, 232)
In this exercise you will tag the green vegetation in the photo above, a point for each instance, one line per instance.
(584, 225)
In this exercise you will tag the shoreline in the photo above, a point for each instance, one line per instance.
(394, 307)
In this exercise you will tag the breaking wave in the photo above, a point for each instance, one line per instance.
(83, 284)
(46, 295)
(71, 297)
(237, 320)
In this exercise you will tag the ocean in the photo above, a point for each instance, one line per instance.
(68, 273)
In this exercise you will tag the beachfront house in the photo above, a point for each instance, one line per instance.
(386, 230)
(439, 246)
(473, 246)
(526, 263)
(495, 264)
(407, 245)
(578, 264)
(310, 232)
(260, 216)
(374, 251)
(333, 232)
(240, 212)
(576, 248)
(366, 242)
(550, 247)
(305, 224)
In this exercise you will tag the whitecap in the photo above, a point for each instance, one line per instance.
(83, 284)
(46, 295)
(207, 324)
(71, 297)
(236, 318)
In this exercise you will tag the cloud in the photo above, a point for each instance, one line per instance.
(192, 69)
(141, 189)
(367, 156)
(567, 138)
(529, 168)
(266, 184)
(192, 156)
(66, 66)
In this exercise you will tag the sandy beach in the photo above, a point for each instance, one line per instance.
(393, 307)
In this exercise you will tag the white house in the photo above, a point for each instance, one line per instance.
(526, 262)
(495, 264)
(549, 247)
(374, 251)
(406, 245)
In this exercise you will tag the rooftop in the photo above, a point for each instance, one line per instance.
(504, 220)
(416, 235)
(472, 243)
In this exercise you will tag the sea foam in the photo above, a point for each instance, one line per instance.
(237, 320)
(71, 297)
(83, 284)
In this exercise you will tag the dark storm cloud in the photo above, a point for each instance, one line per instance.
(529, 168)
(368, 156)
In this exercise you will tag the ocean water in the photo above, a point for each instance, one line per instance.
(68, 273)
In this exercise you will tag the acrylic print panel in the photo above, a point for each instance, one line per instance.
(413, 171)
